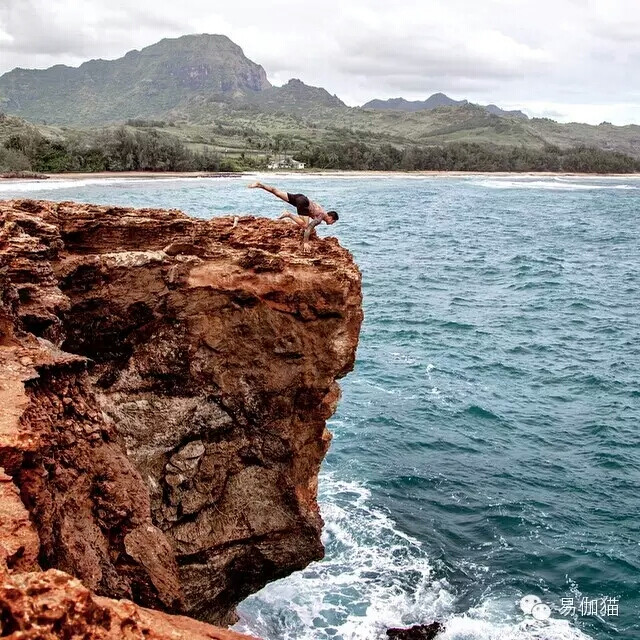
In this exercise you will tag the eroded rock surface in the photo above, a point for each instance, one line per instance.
(53, 605)
(19, 543)
(165, 383)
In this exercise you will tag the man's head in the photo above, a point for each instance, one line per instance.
(333, 215)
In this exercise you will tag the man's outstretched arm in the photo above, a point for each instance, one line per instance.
(283, 195)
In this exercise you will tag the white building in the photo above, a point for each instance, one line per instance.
(286, 163)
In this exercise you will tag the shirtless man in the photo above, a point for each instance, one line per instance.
(310, 213)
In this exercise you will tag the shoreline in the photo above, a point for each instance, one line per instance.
(147, 175)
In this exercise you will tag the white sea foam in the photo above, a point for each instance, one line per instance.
(43, 185)
(468, 627)
(375, 576)
(555, 184)
(403, 358)
(55, 184)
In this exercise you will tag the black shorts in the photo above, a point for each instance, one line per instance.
(300, 202)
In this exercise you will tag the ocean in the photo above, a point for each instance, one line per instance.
(487, 445)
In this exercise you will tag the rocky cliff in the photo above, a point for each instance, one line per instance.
(164, 385)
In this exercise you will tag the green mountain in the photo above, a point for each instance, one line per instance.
(203, 92)
(433, 102)
(142, 84)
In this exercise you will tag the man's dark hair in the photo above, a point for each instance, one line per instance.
(333, 214)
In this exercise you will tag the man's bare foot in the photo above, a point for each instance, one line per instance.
(254, 185)
(283, 215)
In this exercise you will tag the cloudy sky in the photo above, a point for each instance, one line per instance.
(571, 60)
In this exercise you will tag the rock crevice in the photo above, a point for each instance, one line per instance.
(165, 386)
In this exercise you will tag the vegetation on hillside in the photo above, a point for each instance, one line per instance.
(316, 124)
(205, 92)
(463, 156)
(142, 83)
(119, 149)
(157, 146)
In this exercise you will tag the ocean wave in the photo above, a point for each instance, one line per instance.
(50, 185)
(375, 576)
(55, 184)
(560, 184)
(470, 627)
(480, 412)
(552, 184)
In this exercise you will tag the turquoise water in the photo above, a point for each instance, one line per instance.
(487, 443)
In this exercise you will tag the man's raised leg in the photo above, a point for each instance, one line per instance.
(276, 192)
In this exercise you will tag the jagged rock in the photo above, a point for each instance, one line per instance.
(53, 605)
(417, 632)
(19, 544)
(165, 383)
(183, 465)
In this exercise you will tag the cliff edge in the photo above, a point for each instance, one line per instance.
(164, 387)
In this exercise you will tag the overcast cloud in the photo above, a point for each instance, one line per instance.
(567, 59)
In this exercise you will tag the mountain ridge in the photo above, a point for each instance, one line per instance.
(436, 101)
(142, 83)
(203, 91)
(168, 75)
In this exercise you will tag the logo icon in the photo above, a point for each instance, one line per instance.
(532, 606)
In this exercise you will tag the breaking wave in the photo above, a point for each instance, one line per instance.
(374, 577)
(55, 184)
(554, 184)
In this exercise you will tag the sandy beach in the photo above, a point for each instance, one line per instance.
(320, 173)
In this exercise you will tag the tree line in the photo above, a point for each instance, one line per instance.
(147, 149)
(466, 156)
(120, 149)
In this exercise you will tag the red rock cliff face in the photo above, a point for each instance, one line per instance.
(51, 605)
(165, 387)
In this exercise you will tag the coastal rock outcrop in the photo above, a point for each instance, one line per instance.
(164, 384)
(49, 605)
(416, 632)
(53, 605)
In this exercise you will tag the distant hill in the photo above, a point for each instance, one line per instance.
(497, 111)
(142, 84)
(400, 104)
(433, 102)
(295, 96)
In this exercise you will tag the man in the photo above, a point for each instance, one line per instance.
(310, 213)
